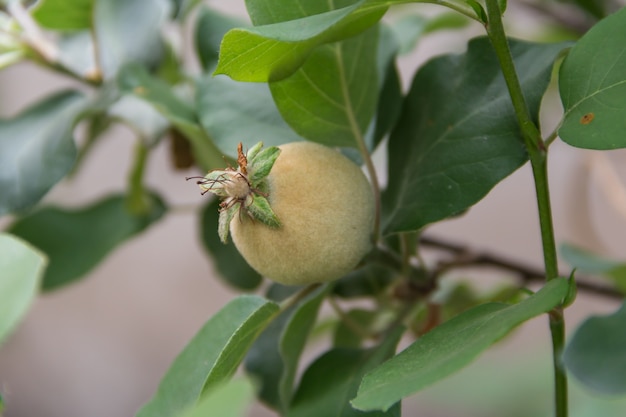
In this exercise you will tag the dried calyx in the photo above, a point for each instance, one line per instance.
(243, 190)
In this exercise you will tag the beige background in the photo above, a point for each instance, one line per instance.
(99, 348)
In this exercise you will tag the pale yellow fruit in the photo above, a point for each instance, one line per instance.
(326, 209)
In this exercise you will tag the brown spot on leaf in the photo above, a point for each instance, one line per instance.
(587, 118)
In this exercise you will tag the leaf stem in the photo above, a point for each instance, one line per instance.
(537, 153)
(137, 200)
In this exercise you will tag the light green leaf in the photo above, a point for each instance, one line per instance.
(135, 80)
(212, 356)
(37, 150)
(585, 261)
(329, 383)
(128, 31)
(274, 358)
(458, 136)
(592, 85)
(450, 346)
(275, 51)
(232, 112)
(62, 235)
(230, 264)
(261, 164)
(64, 14)
(22, 267)
(596, 355)
(229, 400)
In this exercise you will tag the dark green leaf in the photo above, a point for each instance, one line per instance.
(275, 51)
(347, 334)
(212, 356)
(229, 400)
(210, 29)
(22, 267)
(77, 240)
(458, 136)
(229, 263)
(37, 150)
(136, 80)
(128, 31)
(596, 355)
(64, 14)
(450, 346)
(331, 99)
(273, 359)
(592, 85)
(330, 382)
(233, 112)
(369, 280)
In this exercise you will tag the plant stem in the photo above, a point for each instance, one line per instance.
(537, 153)
(137, 200)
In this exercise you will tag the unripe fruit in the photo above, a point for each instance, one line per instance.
(325, 207)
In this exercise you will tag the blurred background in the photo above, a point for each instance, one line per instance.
(99, 347)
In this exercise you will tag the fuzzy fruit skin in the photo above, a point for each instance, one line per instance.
(326, 208)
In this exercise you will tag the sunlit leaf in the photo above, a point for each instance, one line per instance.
(64, 14)
(458, 136)
(22, 267)
(77, 240)
(451, 346)
(212, 356)
(37, 150)
(596, 355)
(592, 85)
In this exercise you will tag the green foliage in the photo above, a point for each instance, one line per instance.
(61, 234)
(22, 267)
(212, 356)
(37, 150)
(592, 84)
(451, 346)
(596, 354)
(64, 14)
(231, 399)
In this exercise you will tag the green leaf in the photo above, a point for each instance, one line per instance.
(458, 136)
(212, 356)
(128, 31)
(273, 359)
(275, 51)
(22, 267)
(596, 354)
(229, 400)
(210, 29)
(591, 263)
(592, 85)
(64, 14)
(77, 240)
(450, 346)
(331, 99)
(232, 112)
(134, 79)
(369, 280)
(226, 258)
(346, 335)
(37, 150)
(329, 383)
(261, 210)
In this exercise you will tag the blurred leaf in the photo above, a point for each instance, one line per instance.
(450, 346)
(76, 52)
(62, 234)
(329, 383)
(212, 356)
(232, 112)
(37, 150)
(586, 261)
(369, 280)
(273, 52)
(229, 400)
(64, 14)
(596, 354)
(128, 31)
(273, 359)
(229, 263)
(136, 80)
(180, 150)
(458, 136)
(592, 85)
(22, 267)
(346, 335)
(210, 29)
(141, 117)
